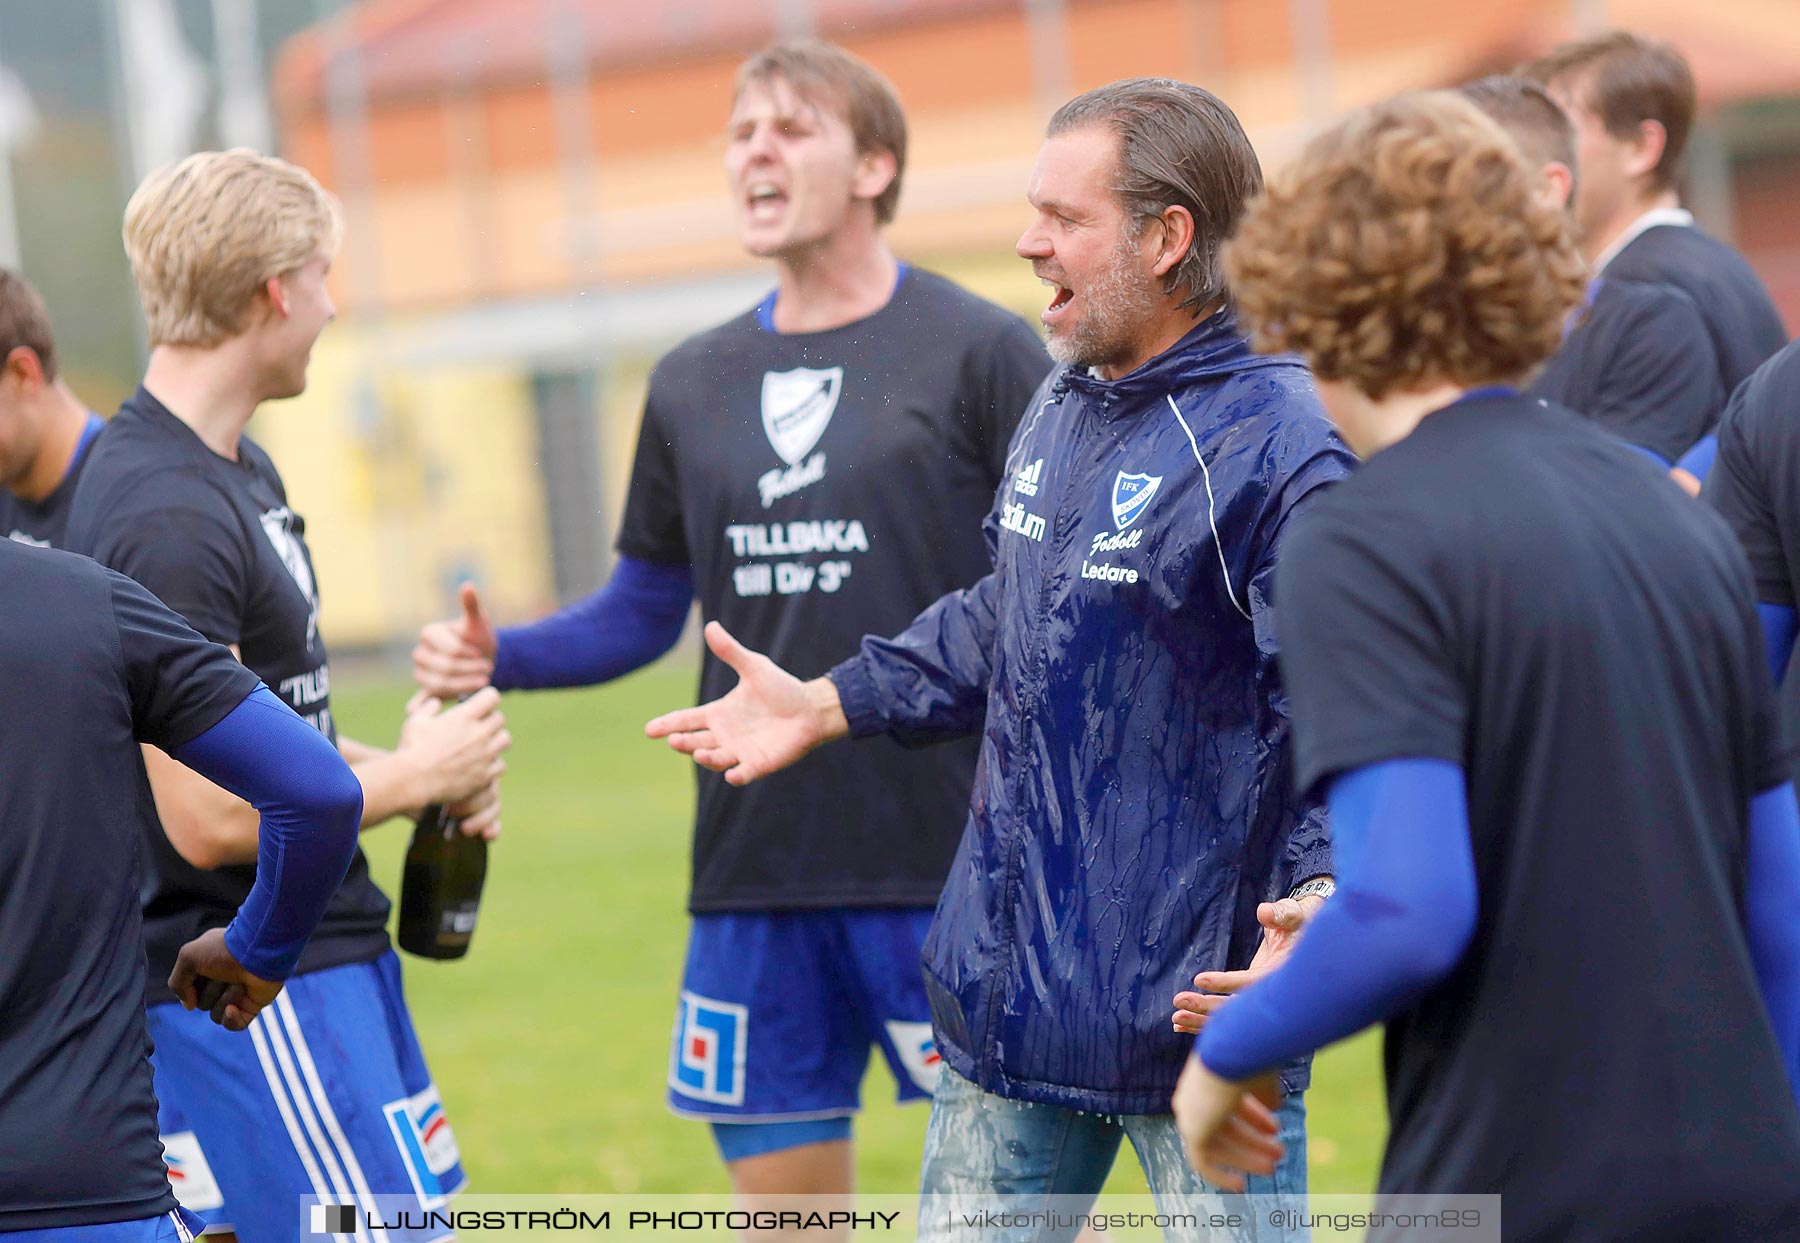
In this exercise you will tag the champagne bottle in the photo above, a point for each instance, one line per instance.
(440, 888)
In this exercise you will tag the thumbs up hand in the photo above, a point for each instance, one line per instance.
(456, 657)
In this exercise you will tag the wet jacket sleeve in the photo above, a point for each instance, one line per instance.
(636, 617)
(929, 683)
(1403, 915)
(311, 805)
(1773, 878)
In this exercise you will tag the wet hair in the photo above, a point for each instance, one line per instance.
(1179, 146)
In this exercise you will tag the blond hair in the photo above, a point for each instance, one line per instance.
(204, 235)
(1408, 246)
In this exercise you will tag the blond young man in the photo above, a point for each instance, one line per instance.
(331, 1095)
(45, 430)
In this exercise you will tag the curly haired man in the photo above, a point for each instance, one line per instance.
(1528, 676)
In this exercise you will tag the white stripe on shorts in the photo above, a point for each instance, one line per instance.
(259, 1038)
(284, 1009)
(288, 1084)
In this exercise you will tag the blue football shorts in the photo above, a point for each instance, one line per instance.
(779, 1009)
(326, 1095)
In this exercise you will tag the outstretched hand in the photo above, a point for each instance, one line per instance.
(767, 721)
(208, 976)
(1282, 924)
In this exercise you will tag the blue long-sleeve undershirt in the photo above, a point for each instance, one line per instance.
(1403, 914)
(311, 805)
(630, 621)
(1778, 627)
(1773, 882)
(1698, 460)
(1406, 907)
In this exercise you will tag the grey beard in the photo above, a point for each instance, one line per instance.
(1117, 307)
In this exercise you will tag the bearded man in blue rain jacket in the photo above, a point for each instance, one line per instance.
(1132, 821)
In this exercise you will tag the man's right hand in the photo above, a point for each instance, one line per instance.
(768, 721)
(233, 995)
(456, 657)
(455, 750)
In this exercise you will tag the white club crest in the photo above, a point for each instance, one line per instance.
(277, 524)
(796, 406)
(1131, 497)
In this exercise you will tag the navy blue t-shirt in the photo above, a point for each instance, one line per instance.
(825, 486)
(90, 667)
(1511, 591)
(42, 522)
(1740, 316)
(216, 540)
(1755, 485)
(1639, 361)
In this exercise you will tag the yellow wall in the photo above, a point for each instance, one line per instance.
(442, 483)
(446, 479)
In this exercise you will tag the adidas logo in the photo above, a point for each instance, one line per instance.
(1026, 482)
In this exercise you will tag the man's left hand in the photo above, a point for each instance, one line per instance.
(1282, 923)
(232, 994)
(1228, 1130)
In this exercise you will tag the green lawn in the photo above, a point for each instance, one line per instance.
(550, 1040)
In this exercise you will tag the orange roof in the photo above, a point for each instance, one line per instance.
(1739, 49)
(413, 46)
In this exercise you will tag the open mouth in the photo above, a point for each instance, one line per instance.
(1064, 295)
(764, 201)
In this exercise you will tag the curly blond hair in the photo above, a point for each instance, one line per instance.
(1407, 248)
(204, 235)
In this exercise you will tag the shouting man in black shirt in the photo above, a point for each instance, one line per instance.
(45, 431)
(230, 251)
(812, 471)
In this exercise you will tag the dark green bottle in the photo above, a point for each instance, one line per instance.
(440, 888)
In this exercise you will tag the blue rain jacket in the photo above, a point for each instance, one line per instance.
(1134, 799)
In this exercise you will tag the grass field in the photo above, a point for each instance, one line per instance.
(549, 1041)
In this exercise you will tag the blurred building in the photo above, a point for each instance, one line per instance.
(536, 210)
